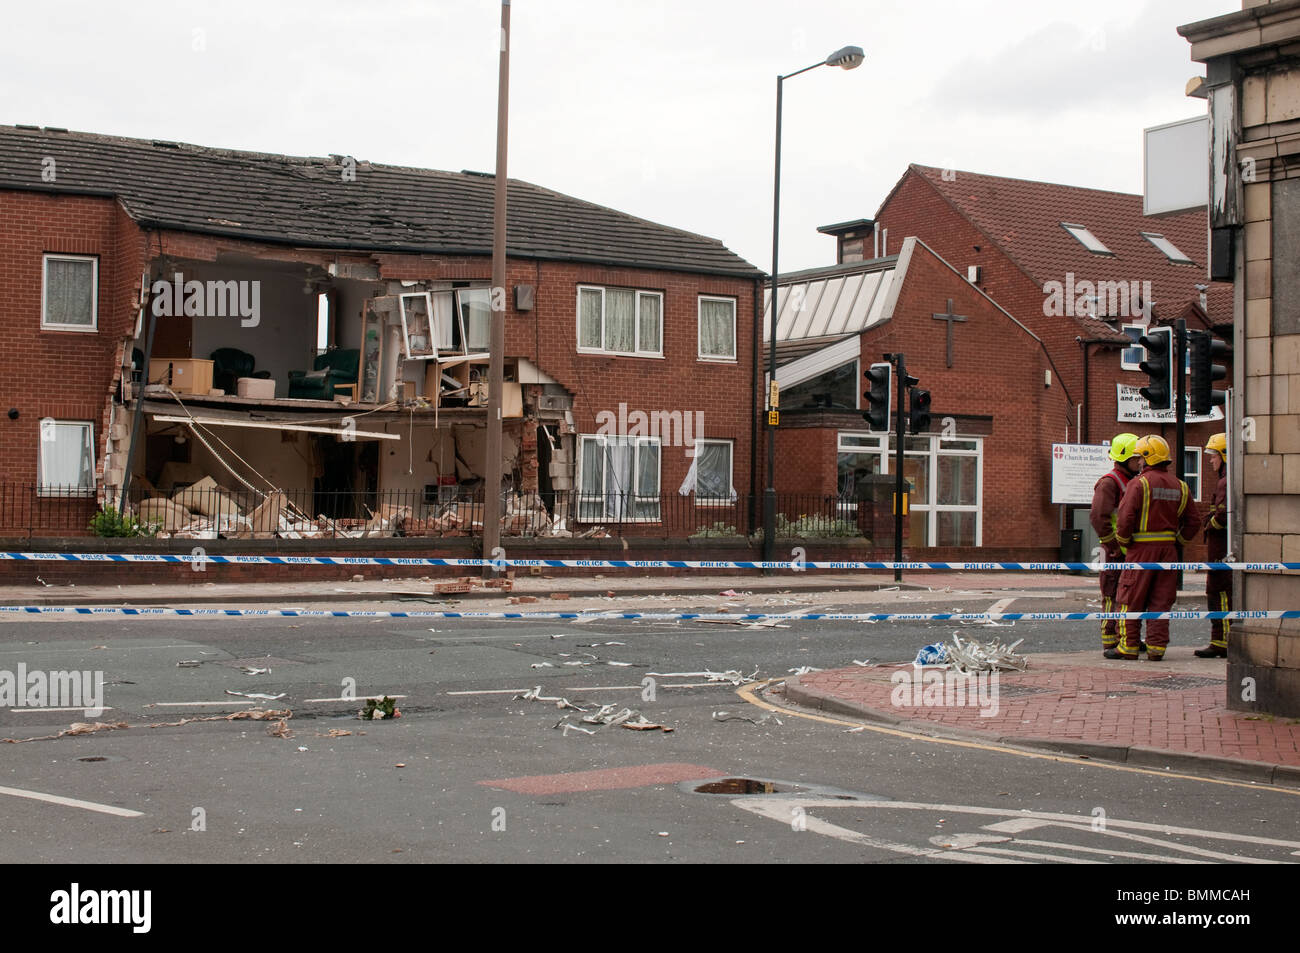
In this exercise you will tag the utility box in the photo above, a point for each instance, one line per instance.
(875, 496)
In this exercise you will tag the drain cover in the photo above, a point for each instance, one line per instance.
(1011, 691)
(734, 786)
(1179, 683)
(743, 787)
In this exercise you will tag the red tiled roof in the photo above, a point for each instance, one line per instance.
(1024, 218)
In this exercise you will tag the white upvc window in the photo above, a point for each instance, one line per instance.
(618, 479)
(1131, 357)
(712, 473)
(717, 323)
(70, 293)
(620, 321)
(1192, 470)
(947, 477)
(66, 458)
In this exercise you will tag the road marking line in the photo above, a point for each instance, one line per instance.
(1150, 858)
(120, 648)
(71, 802)
(16, 711)
(781, 810)
(1001, 604)
(201, 704)
(359, 698)
(1032, 855)
(747, 694)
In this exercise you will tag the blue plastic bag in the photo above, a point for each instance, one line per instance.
(932, 655)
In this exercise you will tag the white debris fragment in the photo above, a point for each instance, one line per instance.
(803, 670)
(259, 696)
(993, 656)
(731, 675)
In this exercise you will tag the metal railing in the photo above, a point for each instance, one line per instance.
(32, 511)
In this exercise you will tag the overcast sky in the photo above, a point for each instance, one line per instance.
(660, 108)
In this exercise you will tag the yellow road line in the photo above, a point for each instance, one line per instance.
(747, 694)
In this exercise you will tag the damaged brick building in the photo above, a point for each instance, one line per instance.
(303, 342)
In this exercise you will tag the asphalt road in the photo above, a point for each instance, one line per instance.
(473, 773)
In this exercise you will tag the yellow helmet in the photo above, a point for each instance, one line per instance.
(1123, 447)
(1154, 449)
(1218, 444)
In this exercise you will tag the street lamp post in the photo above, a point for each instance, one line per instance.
(849, 57)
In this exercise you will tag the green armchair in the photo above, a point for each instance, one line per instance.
(229, 364)
(335, 366)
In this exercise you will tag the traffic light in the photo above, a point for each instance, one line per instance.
(1205, 348)
(879, 377)
(1159, 365)
(918, 410)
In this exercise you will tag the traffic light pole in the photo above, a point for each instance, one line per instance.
(900, 373)
(1180, 403)
(1180, 394)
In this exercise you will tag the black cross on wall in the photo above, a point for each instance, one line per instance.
(950, 318)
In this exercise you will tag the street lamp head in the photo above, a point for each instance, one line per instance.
(849, 57)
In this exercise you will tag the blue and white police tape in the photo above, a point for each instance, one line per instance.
(203, 558)
(1233, 614)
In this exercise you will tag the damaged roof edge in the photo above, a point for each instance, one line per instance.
(427, 250)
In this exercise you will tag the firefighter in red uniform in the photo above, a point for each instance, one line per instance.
(1218, 585)
(1156, 517)
(1105, 503)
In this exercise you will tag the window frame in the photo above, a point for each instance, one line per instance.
(638, 293)
(1188, 453)
(1155, 238)
(699, 330)
(64, 490)
(636, 496)
(46, 325)
(1135, 346)
(878, 444)
(1073, 229)
(731, 473)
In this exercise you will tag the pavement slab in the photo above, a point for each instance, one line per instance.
(1127, 711)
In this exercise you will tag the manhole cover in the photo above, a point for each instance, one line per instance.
(1011, 691)
(734, 786)
(1178, 683)
(743, 787)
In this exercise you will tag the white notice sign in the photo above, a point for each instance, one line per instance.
(1076, 468)
(1133, 406)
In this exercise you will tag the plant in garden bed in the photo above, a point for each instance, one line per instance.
(109, 522)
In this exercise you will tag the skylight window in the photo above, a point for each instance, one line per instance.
(1169, 248)
(1087, 239)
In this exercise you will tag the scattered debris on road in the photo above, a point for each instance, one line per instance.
(993, 656)
(86, 728)
(257, 696)
(731, 675)
(736, 716)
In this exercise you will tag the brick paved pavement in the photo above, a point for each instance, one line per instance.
(1128, 711)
